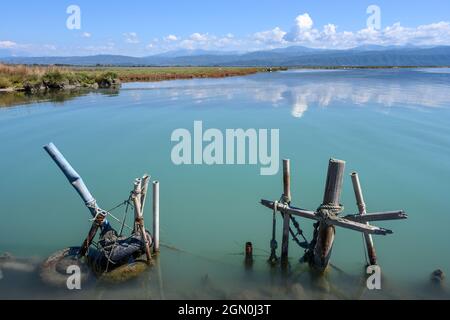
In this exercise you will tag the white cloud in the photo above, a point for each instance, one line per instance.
(199, 37)
(304, 33)
(131, 37)
(171, 37)
(303, 30)
(7, 44)
(304, 22)
(274, 36)
(329, 29)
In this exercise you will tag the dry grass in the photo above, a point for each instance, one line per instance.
(150, 74)
(27, 71)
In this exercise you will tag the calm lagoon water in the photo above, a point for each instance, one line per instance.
(392, 126)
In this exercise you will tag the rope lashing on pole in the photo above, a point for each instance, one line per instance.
(286, 201)
(327, 210)
(273, 243)
(127, 203)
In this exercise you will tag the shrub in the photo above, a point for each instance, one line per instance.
(5, 83)
(54, 79)
(107, 79)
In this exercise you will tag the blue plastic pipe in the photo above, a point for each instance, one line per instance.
(74, 179)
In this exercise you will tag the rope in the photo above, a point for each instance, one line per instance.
(326, 210)
(283, 199)
(127, 202)
(273, 243)
(299, 232)
(101, 214)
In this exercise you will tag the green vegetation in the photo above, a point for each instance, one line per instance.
(33, 79)
(5, 83)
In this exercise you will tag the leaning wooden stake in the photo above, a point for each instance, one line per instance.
(138, 215)
(331, 202)
(91, 235)
(156, 216)
(286, 198)
(362, 211)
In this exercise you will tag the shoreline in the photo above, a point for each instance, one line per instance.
(95, 78)
(39, 79)
(67, 78)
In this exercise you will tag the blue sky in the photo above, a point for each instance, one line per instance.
(141, 28)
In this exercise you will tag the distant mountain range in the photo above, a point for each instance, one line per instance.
(290, 56)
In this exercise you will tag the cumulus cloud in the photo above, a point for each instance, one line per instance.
(274, 36)
(171, 37)
(304, 22)
(199, 37)
(6, 44)
(131, 37)
(304, 33)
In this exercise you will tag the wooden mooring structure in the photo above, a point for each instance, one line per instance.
(327, 217)
(99, 216)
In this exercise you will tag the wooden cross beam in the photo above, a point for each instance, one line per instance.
(378, 216)
(331, 220)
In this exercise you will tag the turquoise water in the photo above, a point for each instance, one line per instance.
(392, 126)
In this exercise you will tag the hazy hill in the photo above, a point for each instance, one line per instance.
(290, 56)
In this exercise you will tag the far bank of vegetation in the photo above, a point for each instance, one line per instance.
(37, 79)
(34, 79)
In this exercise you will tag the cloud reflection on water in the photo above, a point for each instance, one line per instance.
(302, 91)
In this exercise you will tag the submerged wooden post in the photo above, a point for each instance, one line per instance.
(138, 216)
(156, 216)
(285, 239)
(362, 211)
(286, 216)
(331, 201)
(248, 254)
(273, 242)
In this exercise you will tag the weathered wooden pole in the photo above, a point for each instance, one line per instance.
(330, 206)
(156, 216)
(362, 211)
(285, 239)
(286, 217)
(144, 184)
(138, 216)
(287, 181)
(91, 235)
(273, 242)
